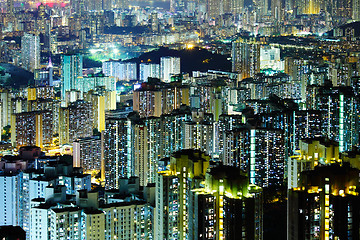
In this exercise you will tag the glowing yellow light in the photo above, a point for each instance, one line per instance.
(189, 46)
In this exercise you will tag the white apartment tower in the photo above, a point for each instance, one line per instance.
(149, 70)
(169, 66)
(10, 183)
(30, 51)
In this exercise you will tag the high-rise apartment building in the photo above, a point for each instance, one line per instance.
(123, 71)
(146, 149)
(91, 82)
(101, 101)
(216, 9)
(117, 149)
(312, 152)
(30, 51)
(270, 58)
(187, 209)
(147, 70)
(298, 69)
(228, 206)
(173, 194)
(44, 76)
(340, 114)
(325, 205)
(10, 195)
(33, 128)
(177, 5)
(6, 107)
(147, 102)
(132, 147)
(173, 97)
(76, 121)
(25, 183)
(246, 57)
(199, 135)
(277, 8)
(257, 151)
(155, 100)
(310, 6)
(356, 10)
(10, 7)
(87, 219)
(172, 130)
(71, 69)
(77, 6)
(87, 154)
(169, 66)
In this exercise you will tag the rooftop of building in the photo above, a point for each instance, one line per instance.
(121, 204)
(92, 211)
(9, 173)
(352, 154)
(31, 113)
(227, 172)
(335, 173)
(334, 91)
(193, 154)
(323, 141)
(65, 209)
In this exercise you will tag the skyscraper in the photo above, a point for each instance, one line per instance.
(33, 128)
(312, 152)
(147, 102)
(123, 71)
(213, 9)
(92, 82)
(77, 6)
(71, 69)
(10, 195)
(310, 6)
(356, 10)
(257, 151)
(172, 130)
(199, 135)
(245, 57)
(169, 66)
(263, 7)
(340, 114)
(149, 70)
(117, 149)
(325, 205)
(30, 51)
(87, 154)
(195, 201)
(177, 5)
(228, 206)
(217, 8)
(76, 121)
(276, 9)
(173, 194)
